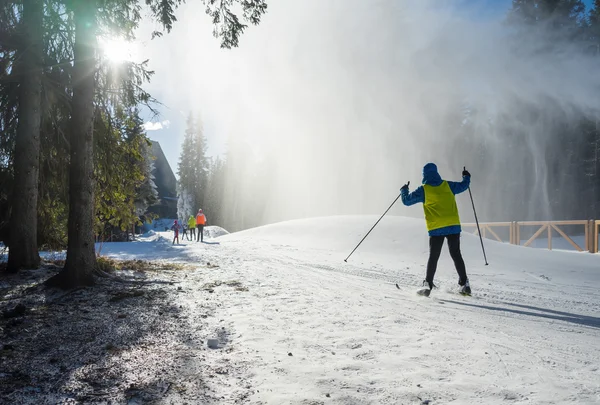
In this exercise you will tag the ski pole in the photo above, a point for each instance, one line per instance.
(477, 222)
(346, 259)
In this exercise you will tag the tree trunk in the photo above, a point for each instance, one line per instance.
(81, 258)
(23, 250)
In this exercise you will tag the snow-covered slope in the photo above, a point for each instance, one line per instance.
(313, 329)
(399, 241)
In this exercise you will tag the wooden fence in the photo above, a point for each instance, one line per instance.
(498, 230)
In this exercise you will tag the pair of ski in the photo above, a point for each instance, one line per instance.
(424, 292)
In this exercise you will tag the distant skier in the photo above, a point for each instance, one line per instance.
(184, 230)
(192, 226)
(176, 227)
(443, 222)
(200, 223)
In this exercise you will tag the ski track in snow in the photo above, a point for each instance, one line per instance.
(312, 329)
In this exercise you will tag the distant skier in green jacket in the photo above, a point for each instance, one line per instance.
(192, 227)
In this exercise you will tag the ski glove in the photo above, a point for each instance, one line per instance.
(405, 187)
(466, 173)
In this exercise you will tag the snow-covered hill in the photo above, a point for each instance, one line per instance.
(308, 328)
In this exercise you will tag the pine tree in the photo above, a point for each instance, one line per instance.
(124, 187)
(594, 20)
(214, 191)
(559, 12)
(562, 20)
(186, 171)
(23, 252)
(81, 259)
(236, 178)
(200, 165)
(192, 169)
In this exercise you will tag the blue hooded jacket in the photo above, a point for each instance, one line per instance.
(433, 178)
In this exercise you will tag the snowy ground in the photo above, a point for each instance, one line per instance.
(297, 325)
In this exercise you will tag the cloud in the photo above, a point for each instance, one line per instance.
(155, 126)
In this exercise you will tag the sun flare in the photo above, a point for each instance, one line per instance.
(117, 50)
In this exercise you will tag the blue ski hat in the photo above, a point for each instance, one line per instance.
(431, 175)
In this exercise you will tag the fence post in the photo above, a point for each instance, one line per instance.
(593, 236)
(549, 236)
(588, 237)
(513, 235)
(514, 228)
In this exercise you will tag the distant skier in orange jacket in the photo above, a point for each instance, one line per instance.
(200, 222)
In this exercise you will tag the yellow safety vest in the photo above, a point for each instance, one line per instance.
(440, 206)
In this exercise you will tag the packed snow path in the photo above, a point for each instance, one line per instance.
(311, 329)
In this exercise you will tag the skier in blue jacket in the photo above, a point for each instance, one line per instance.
(443, 221)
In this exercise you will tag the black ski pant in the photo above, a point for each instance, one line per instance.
(200, 233)
(435, 248)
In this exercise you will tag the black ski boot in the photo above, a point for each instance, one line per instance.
(428, 286)
(465, 288)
